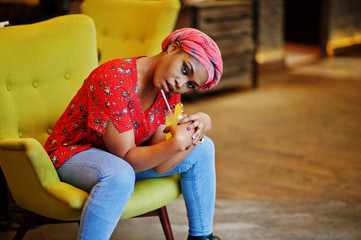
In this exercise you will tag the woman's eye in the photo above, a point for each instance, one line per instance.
(185, 70)
(191, 85)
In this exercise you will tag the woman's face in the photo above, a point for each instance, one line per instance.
(179, 72)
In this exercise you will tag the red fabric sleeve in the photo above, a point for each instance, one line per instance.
(108, 97)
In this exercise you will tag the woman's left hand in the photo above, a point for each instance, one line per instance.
(200, 122)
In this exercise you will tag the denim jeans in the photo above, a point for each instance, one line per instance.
(110, 182)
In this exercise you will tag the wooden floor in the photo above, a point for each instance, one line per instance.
(298, 136)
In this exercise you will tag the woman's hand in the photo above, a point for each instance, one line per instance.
(182, 134)
(165, 155)
(199, 122)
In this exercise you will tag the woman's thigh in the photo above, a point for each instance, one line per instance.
(204, 151)
(85, 169)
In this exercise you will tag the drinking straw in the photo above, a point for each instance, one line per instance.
(166, 101)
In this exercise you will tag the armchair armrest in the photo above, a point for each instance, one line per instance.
(68, 194)
(34, 182)
(20, 153)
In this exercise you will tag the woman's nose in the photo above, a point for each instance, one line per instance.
(180, 83)
(176, 83)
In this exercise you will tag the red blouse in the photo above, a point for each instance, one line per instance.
(110, 91)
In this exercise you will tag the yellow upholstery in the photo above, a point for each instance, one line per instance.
(128, 28)
(42, 65)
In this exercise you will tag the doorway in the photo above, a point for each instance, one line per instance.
(304, 31)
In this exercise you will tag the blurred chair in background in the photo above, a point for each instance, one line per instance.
(129, 28)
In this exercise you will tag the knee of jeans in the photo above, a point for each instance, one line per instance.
(203, 153)
(120, 174)
(207, 147)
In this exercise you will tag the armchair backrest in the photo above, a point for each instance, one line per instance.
(42, 65)
(128, 28)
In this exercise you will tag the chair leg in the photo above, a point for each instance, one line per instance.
(25, 225)
(163, 216)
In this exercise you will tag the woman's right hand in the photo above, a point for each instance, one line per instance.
(181, 135)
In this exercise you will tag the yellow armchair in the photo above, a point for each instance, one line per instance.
(42, 65)
(128, 28)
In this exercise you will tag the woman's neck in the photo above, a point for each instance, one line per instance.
(147, 91)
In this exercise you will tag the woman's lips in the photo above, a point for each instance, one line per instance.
(168, 87)
(165, 86)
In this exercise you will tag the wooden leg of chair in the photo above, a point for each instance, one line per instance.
(163, 215)
(25, 225)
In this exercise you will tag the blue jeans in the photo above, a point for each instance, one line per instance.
(110, 182)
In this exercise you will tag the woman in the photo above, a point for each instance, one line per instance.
(113, 133)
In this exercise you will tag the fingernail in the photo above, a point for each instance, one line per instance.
(189, 128)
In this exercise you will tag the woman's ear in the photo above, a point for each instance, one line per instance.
(173, 47)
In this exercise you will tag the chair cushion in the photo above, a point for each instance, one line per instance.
(151, 194)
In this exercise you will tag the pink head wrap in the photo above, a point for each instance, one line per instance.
(201, 47)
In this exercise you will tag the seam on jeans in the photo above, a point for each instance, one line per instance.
(195, 191)
(95, 191)
(94, 166)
